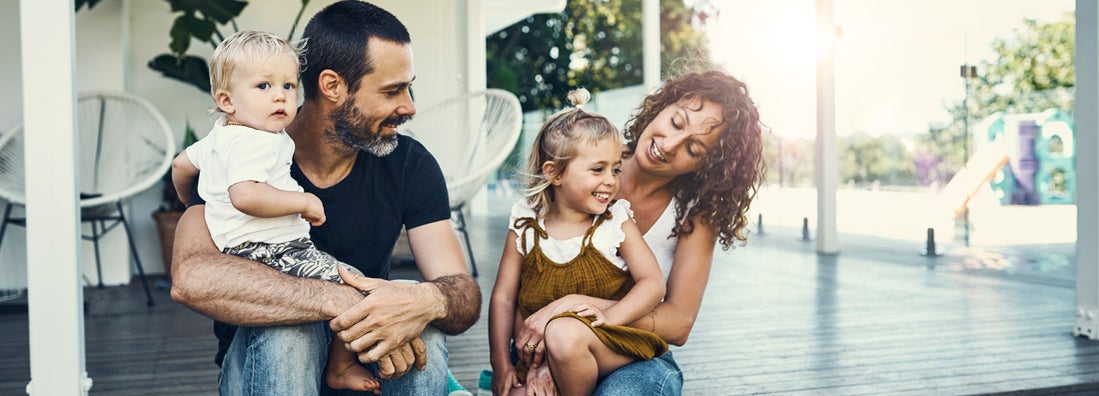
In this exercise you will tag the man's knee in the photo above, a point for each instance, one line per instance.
(268, 360)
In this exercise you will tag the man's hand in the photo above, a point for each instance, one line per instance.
(391, 316)
(398, 363)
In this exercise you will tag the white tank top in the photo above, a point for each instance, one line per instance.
(660, 240)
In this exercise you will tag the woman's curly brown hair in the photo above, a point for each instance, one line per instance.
(727, 180)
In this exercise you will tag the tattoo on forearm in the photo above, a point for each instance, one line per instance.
(463, 299)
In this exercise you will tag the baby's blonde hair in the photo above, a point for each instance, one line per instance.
(244, 47)
(558, 140)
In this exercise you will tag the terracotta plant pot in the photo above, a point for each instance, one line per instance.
(166, 227)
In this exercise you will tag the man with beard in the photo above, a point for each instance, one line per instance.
(372, 182)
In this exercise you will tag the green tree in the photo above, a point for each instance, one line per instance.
(592, 44)
(882, 158)
(789, 160)
(1032, 71)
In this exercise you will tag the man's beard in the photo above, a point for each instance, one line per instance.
(352, 128)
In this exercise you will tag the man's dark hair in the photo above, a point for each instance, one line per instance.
(336, 38)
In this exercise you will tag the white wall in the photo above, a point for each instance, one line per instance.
(117, 39)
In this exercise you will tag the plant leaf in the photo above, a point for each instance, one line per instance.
(185, 27)
(219, 10)
(188, 69)
(91, 4)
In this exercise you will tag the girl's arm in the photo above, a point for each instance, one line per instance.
(183, 176)
(262, 200)
(673, 318)
(648, 286)
(501, 314)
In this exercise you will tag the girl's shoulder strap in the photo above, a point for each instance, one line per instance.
(524, 219)
(606, 215)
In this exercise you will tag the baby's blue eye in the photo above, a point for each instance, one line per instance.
(288, 86)
(263, 85)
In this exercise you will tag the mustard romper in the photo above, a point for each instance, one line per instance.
(590, 273)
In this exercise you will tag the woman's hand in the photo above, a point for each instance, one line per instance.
(540, 381)
(504, 380)
(529, 331)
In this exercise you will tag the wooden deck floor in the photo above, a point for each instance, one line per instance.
(777, 319)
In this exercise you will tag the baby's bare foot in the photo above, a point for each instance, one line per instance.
(353, 377)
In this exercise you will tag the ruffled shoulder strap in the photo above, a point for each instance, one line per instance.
(524, 219)
(606, 233)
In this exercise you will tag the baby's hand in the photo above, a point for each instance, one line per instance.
(314, 210)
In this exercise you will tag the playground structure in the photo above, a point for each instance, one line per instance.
(1026, 159)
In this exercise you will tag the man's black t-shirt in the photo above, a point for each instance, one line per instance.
(366, 210)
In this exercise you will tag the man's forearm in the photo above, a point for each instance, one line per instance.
(244, 292)
(462, 298)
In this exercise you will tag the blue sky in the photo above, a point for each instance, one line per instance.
(896, 61)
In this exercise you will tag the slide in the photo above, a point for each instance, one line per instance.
(988, 159)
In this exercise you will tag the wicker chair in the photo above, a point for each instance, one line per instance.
(125, 148)
(481, 128)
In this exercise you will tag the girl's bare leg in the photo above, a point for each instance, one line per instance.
(577, 358)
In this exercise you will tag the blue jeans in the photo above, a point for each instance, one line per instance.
(658, 376)
(290, 360)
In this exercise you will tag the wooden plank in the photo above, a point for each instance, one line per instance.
(777, 319)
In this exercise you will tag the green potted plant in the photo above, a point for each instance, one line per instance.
(200, 20)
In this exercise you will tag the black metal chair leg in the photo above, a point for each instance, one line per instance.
(95, 246)
(469, 248)
(137, 259)
(4, 225)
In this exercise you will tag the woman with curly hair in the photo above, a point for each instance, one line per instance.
(693, 166)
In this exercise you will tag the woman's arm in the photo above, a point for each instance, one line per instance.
(501, 314)
(673, 318)
(244, 292)
(648, 286)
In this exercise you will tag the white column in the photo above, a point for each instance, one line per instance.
(827, 174)
(476, 77)
(1087, 169)
(55, 296)
(475, 46)
(650, 43)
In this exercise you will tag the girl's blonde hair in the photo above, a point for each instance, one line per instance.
(558, 140)
(247, 46)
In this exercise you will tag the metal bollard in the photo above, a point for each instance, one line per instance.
(930, 252)
(805, 228)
